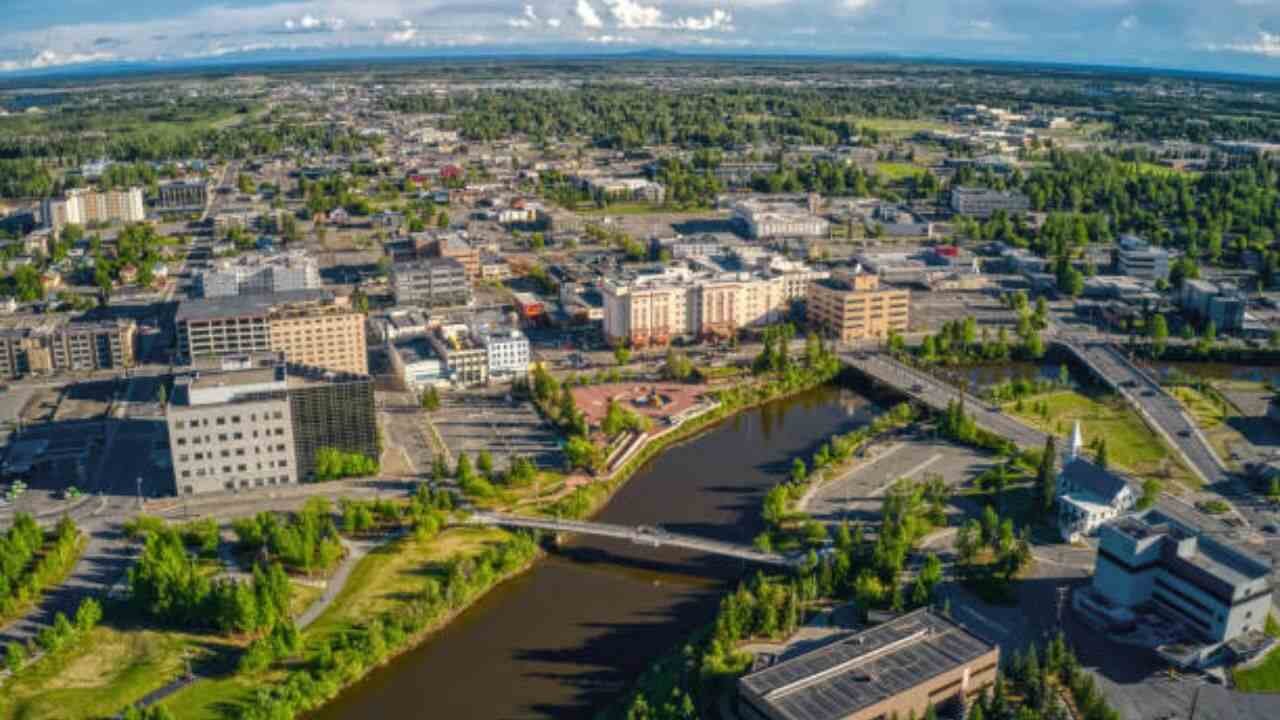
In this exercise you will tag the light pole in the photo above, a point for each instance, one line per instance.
(139, 492)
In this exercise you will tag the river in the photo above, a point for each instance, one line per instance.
(566, 638)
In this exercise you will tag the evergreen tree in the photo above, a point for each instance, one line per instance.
(1047, 476)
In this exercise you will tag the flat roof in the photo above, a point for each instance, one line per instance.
(866, 668)
(237, 378)
(231, 306)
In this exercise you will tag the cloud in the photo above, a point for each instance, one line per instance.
(982, 25)
(631, 15)
(553, 22)
(527, 20)
(611, 40)
(1266, 43)
(717, 19)
(587, 15)
(1129, 22)
(406, 34)
(309, 23)
(51, 58)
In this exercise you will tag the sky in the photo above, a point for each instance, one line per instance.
(1219, 35)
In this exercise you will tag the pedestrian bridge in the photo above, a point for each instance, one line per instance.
(640, 535)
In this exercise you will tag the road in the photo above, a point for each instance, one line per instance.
(937, 394)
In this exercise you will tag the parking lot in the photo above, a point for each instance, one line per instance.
(487, 420)
(857, 496)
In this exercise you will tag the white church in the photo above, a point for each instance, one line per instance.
(1087, 494)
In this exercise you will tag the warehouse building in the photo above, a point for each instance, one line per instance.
(897, 669)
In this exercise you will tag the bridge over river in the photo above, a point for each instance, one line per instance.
(640, 535)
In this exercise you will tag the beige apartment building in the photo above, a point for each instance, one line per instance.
(45, 344)
(852, 307)
(311, 327)
(81, 207)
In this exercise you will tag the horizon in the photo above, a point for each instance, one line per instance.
(1238, 38)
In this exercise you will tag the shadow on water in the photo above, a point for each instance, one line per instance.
(569, 636)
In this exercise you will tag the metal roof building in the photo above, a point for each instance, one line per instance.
(899, 667)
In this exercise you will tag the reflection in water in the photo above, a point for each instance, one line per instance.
(1220, 371)
(567, 637)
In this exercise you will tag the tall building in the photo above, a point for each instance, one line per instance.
(81, 207)
(851, 306)
(189, 195)
(983, 202)
(253, 421)
(1140, 259)
(900, 669)
(43, 345)
(311, 327)
(1213, 590)
(271, 274)
(432, 282)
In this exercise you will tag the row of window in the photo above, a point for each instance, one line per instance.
(226, 469)
(223, 419)
(224, 437)
(240, 452)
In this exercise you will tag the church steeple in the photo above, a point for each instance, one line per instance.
(1077, 443)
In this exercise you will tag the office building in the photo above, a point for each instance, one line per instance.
(253, 421)
(770, 218)
(311, 327)
(184, 195)
(506, 347)
(615, 188)
(431, 282)
(1214, 591)
(1224, 306)
(852, 306)
(258, 275)
(414, 363)
(81, 207)
(44, 345)
(232, 429)
(466, 360)
(899, 669)
(983, 202)
(1140, 259)
(456, 247)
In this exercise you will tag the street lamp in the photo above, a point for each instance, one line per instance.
(139, 492)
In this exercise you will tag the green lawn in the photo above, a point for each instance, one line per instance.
(1131, 445)
(1212, 419)
(895, 171)
(108, 671)
(898, 126)
(1263, 678)
(641, 208)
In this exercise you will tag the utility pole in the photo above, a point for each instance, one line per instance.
(139, 492)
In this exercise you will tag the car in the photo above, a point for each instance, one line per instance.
(1270, 528)
(917, 388)
(1184, 433)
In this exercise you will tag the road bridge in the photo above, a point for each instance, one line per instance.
(937, 394)
(640, 535)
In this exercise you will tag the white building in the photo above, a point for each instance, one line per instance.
(1140, 259)
(1088, 495)
(272, 274)
(1213, 591)
(769, 219)
(416, 364)
(507, 349)
(81, 207)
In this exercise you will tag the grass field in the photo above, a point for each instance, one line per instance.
(895, 171)
(898, 126)
(1263, 678)
(381, 580)
(1131, 445)
(95, 678)
(640, 208)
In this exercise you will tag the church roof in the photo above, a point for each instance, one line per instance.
(1090, 478)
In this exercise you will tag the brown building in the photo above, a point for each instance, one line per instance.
(311, 327)
(897, 669)
(459, 249)
(852, 307)
(43, 345)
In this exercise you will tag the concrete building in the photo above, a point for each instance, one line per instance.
(1222, 305)
(765, 218)
(1088, 495)
(265, 274)
(1214, 590)
(615, 188)
(232, 429)
(253, 421)
(466, 361)
(506, 347)
(311, 327)
(852, 306)
(432, 282)
(899, 669)
(81, 207)
(983, 203)
(455, 246)
(415, 365)
(1140, 259)
(44, 345)
(184, 195)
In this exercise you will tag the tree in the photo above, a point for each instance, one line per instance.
(581, 453)
(162, 395)
(463, 472)
(622, 355)
(798, 471)
(484, 463)
(442, 221)
(430, 399)
(1159, 334)
(244, 184)
(1047, 476)
(1101, 458)
(1150, 493)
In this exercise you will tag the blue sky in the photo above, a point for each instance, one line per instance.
(1232, 35)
